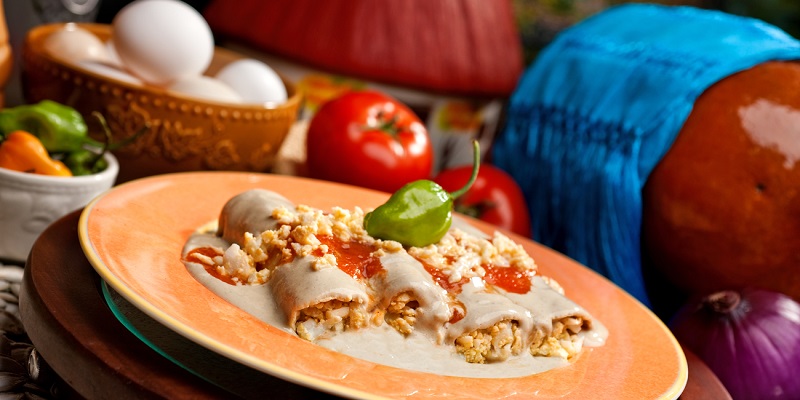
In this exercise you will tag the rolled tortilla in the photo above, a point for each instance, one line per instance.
(410, 298)
(560, 324)
(250, 211)
(319, 302)
(493, 327)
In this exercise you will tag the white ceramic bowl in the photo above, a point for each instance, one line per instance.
(30, 202)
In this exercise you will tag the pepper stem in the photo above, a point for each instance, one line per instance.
(476, 165)
(106, 142)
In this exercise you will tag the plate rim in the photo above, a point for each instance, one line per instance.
(185, 331)
(264, 365)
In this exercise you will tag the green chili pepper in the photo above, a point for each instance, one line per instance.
(63, 133)
(60, 128)
(85, 162)
(420, 213)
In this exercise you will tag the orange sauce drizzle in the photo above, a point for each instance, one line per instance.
(458, 314)
(352, 257)
(443, 280)
(211, 253)
(510, 279)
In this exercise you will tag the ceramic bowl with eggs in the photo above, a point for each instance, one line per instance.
(30, 202)
(156, 66)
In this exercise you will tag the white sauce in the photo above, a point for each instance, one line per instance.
(297, 284)
(381, 345)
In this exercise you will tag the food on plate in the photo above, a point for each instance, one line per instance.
(366, 138)
(416, 215)
(322, 277)
(318, 301)
(420, 212)
(410, 297)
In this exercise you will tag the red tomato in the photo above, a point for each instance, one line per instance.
(494, 197)
(368, 139)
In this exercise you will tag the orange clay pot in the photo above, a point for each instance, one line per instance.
(722, 209)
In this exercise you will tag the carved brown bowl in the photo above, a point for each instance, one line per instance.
(185, 134)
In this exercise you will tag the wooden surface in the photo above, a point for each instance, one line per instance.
(702, 384)
(66, 317)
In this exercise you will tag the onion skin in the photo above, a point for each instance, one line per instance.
(749, 338)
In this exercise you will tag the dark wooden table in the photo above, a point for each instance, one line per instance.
(67, 319)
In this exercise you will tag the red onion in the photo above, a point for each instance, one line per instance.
(749, 338)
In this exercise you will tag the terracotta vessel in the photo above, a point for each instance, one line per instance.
(722, 209)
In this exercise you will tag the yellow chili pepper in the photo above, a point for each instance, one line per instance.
(22, 151)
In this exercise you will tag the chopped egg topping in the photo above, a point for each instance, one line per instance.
(458, 255)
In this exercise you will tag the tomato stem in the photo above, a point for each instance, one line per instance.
(389, 126)
(385, 125)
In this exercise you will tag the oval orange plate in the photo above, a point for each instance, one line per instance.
(133, 236)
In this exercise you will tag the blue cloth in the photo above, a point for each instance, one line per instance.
(599, 108)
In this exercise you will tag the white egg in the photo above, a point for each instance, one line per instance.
(254, 80)
(111, 71)
(204, 87)
(73, 44)
(113, 58)
(162, 41)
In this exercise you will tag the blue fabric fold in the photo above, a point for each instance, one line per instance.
(599, 108)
